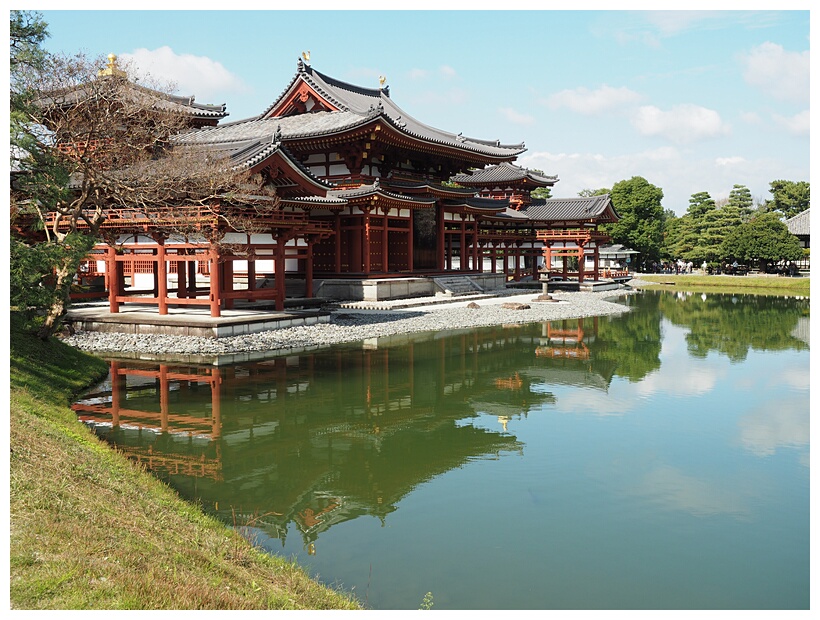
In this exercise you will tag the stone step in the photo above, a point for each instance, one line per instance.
(457, 285)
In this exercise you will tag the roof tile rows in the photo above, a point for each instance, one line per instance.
(800, 223)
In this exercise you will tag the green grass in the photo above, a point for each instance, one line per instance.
(90, 530)
(768, 285)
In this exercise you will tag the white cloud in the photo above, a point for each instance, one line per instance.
(447, 71)
(752, 118)
(516, 117)
(678, 172)
(418, 74)
(772, 426)
(729, 161)
(192, 75)
(682, 124)
(797, 125)
(673, 22)
(591, 102)
(780, 74)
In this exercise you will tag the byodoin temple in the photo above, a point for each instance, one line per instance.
(367, 202)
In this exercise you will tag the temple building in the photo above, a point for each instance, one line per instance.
(367, 202)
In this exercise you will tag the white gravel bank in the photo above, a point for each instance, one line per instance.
(353, 325)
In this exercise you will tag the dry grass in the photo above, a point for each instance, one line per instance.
(89, 530)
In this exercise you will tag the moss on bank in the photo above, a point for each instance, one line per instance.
(90, 530)
(764, 285)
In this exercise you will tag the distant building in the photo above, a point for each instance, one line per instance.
(799, 226)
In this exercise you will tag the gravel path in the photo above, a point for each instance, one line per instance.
(348, 325)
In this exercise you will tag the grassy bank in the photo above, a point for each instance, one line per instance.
(749, 284)
(89, 530)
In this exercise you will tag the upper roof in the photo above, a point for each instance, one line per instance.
(336, 106)
(799, 224)
(116, 77)
(504, 173)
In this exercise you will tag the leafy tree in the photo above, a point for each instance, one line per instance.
(588, 193)
(638, 203)
(541, 192)
(84, 143)
(740, 198)
(764, 240)
(789, 197)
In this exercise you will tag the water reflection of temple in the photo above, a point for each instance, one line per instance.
(322, 438)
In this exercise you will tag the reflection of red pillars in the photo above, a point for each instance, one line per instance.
(164, 392)
(117, 383)
(216, 403)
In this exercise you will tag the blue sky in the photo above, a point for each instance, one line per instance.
(692, 101)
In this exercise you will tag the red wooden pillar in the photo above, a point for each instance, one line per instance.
(439, 238)
(463, 261)
(366, 241)
(517, 271)
(279, 273)
(309, 269)
(215, 288)
(162, 278)
(192, 269)
(595, 259)
(410, 242)
(251, 275)
(182, 278)
(492, 257)
(476, 266)
(227, 280)
(113, 268)
(337, 227)
(385, 252)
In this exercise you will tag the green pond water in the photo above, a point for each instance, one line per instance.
(653, 460)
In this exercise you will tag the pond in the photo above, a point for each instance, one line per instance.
(657, 459)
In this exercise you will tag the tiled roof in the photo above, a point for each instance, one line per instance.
(569, 209)
(186, 105)
(364, 102)
(503, 173)
(276, 129)
(247, 153)
(484, 204)
(375, 189)
(800, 223)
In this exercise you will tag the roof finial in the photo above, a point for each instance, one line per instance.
(306, 56)
(382, 80)
(111, 68)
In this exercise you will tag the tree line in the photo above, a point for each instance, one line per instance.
(737, 229)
